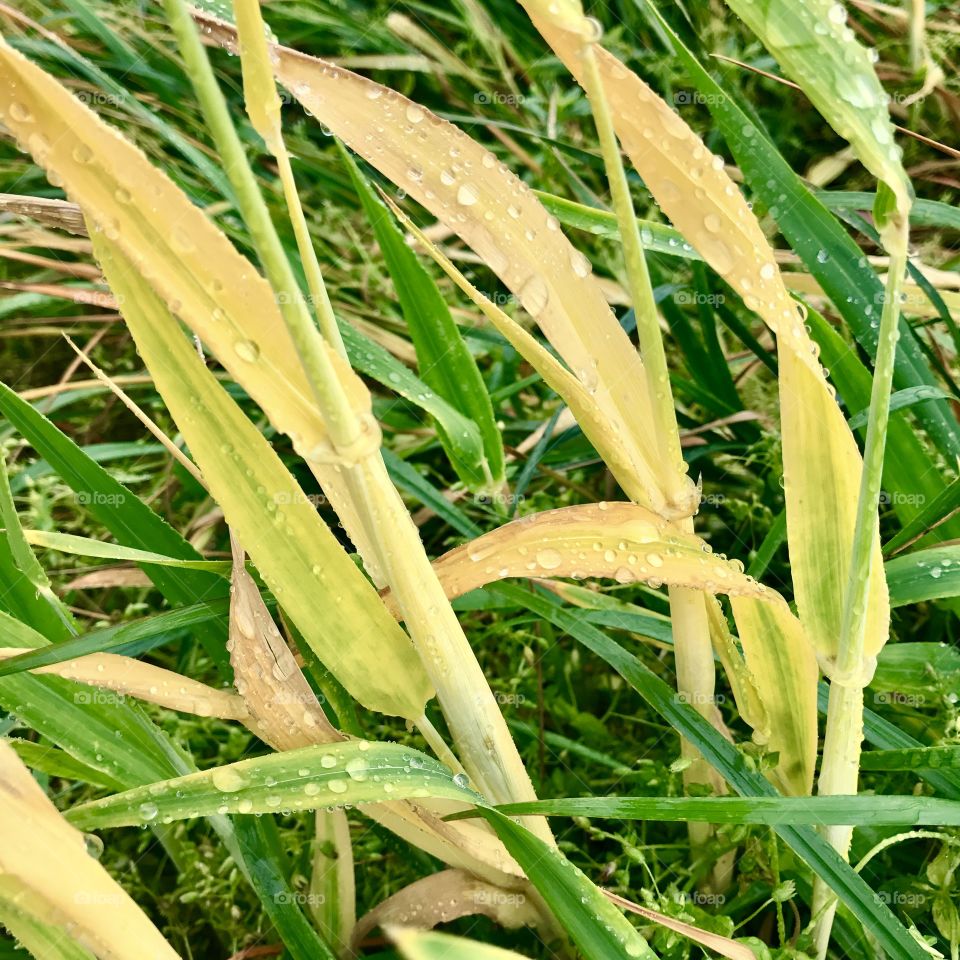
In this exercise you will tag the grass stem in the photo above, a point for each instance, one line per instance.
(839, 773)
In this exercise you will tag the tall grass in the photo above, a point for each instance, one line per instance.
(248, 361)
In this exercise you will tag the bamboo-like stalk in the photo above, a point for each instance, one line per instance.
(850, 673)
(480, 734)
(667, 436)
(693, 651)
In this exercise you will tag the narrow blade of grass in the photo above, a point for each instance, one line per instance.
(924, 575)
(593, 923)
(773, 811)
(354, 772)
(445, 363)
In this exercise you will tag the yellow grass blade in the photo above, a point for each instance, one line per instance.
(785, 667)
(126, 676)
(189, 262)
(259, 89)
(444, 897)
(620, 541)
(743, 684)
(822, 464)
(416, 944)
(495, 213)
(298, 556)
(47, 873)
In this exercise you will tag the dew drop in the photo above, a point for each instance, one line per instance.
(247, 350)
(467, 195)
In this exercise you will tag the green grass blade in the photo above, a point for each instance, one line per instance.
(899, 400)
(98, 729)
(130, 639)
(353, 772)
(123, 513)
(939, 512)
(264, 855)
(923, 213)
(921, 758)
(26, 564)
(446, 365)
(596, 926)
(656, 237)
(773, 811)
(55, 762)
(924, 575)
(89, 547)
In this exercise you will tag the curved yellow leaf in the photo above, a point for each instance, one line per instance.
(620, 541)
(196, 270)
(299, 558)
(47, 873)
(784, 664)
(129, 677)
(822, 464)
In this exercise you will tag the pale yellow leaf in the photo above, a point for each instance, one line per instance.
(46, 871)
(128, 677)
(444, 897)
(620, 541)
(822, 464)
(299, 558)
